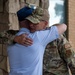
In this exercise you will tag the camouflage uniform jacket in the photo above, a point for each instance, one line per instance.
(59, 55)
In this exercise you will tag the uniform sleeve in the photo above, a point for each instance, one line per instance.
(7, 37)
(68, 54)
(48, 35)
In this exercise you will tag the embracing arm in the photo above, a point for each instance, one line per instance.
(23, 40)
(61, 28)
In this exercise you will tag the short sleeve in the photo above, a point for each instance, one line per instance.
(48, 35)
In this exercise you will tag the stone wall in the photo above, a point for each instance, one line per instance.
(8, 18)
(4, 16)
(14, 6)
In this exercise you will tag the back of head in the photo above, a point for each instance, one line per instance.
(24, 23)
(25, 12)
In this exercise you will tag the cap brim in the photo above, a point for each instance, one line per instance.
(32, 19)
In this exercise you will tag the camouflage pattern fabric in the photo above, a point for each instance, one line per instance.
(38, 15)
(7, 37)
(59, 55)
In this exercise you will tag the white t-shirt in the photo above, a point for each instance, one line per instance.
(29, 60)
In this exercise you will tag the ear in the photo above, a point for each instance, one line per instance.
(46, 23)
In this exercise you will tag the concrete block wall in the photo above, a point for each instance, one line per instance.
(8, 17)
(13, 7)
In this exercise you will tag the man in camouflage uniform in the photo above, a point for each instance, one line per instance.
(59, 56)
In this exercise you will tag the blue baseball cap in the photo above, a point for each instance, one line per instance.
(24, 12)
